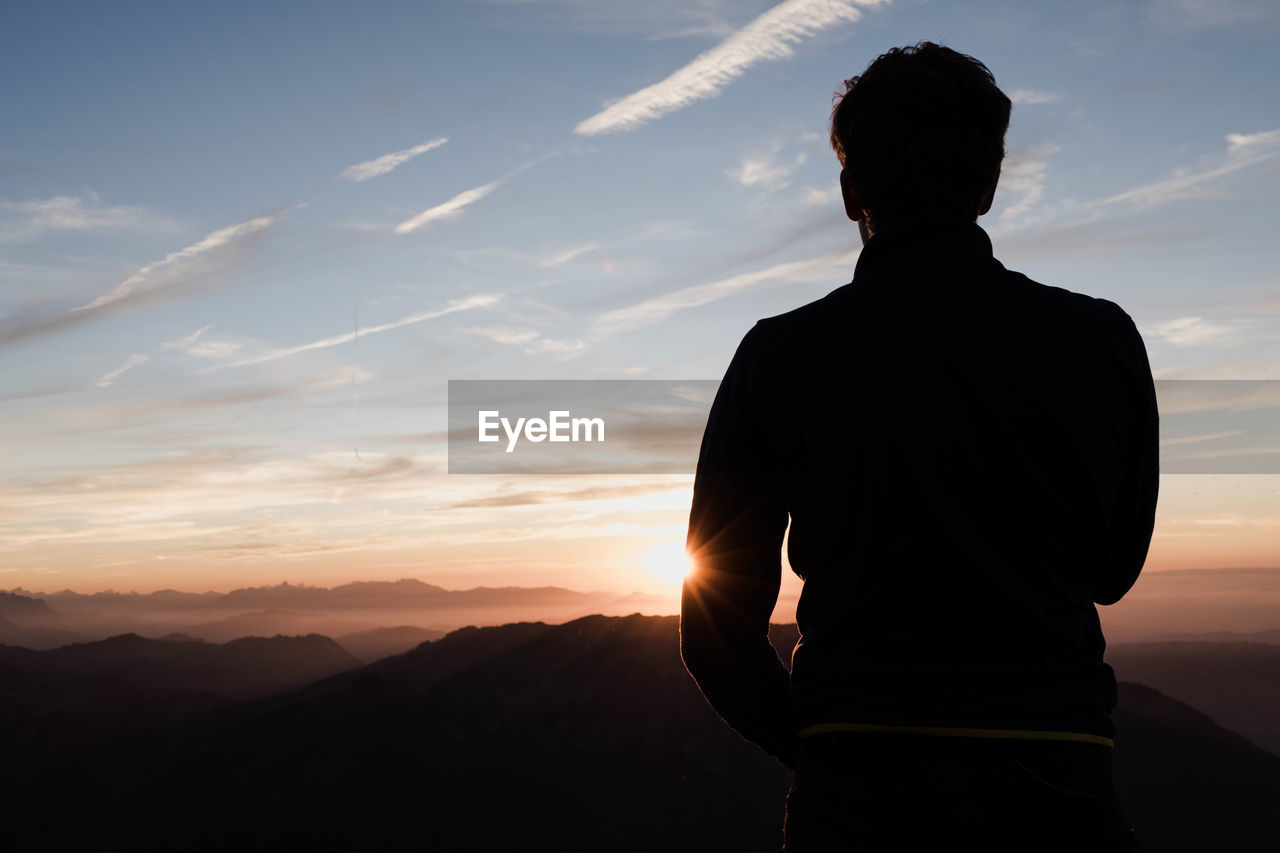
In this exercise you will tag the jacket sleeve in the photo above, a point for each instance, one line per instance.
(1133, 518)
(736, 526)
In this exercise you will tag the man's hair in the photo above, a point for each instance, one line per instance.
(921, 134)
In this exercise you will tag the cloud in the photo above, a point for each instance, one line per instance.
(29, 220)
(764, 170)
(132, 362)
(531, 339)
(559, 259)
(660, 307)
(380, 166)
(1188, 331)
(1033, 96)
(503, 334)
(216, 243)
(814, 197)
(152, 281)
(1022, 181)
(196, 345)
(465, 304)
(1244, 151)
(769, 37)
(553, 345)
(450, 208)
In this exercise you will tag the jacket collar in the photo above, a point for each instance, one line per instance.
(924, 243)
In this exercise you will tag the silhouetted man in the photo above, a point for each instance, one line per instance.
(968, 460)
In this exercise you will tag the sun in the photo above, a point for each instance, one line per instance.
(668, 562)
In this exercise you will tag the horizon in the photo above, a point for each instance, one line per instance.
(20, 590)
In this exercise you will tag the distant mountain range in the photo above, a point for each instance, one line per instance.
(586, 735)
(48, 620)
(402, 594)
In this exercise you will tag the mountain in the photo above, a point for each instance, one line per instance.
(403, 594)
(288, 608)
(379, 643)
(587, 735)
(23, 609)
(246, 668)
(268, 623)
(1236, 683)
(1190, 785)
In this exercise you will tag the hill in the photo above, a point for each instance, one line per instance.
(246, 668)
(1236, 683)
(587, 735)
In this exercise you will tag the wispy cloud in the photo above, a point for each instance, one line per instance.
(195, 344)
(1033, 96)
(814, 197)
(155, 280)
(1244, 151)
(769, 37)
(1188, 331)
(22, 221)
(503, 334)
(132, 362)
(564, 256)
(380, 166)
(465, 304)
(186, 259)
(450, 208)
(531, 340)
(1022, 181)
(766, 170)
(660, 307)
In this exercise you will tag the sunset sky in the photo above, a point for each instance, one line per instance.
(243, 247)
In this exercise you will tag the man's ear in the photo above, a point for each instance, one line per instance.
(989, 197)
(852, 204)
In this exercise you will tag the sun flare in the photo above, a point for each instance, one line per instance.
(667, 563)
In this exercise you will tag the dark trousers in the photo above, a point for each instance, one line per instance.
(893, 792)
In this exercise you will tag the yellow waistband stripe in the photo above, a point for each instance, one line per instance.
(945, 731)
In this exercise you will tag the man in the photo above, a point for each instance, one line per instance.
(968, 461)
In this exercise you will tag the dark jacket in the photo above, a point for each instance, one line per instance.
(969, 462)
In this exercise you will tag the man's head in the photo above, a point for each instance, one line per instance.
(920, 135)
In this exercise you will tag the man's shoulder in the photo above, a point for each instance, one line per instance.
(805, 319)
(1075, 305)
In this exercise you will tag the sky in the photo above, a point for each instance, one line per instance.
(244, 246)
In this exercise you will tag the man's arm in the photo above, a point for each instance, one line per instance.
(736, 526)
(1133, 520)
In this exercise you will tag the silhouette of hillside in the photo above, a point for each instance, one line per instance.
(587, 735)
(21, 607)
(26, 621)
(268, 623)
(1236, 683)
(379, 643)
(247, 668)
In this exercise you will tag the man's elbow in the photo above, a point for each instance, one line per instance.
(1119, 583)
(698, 649)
